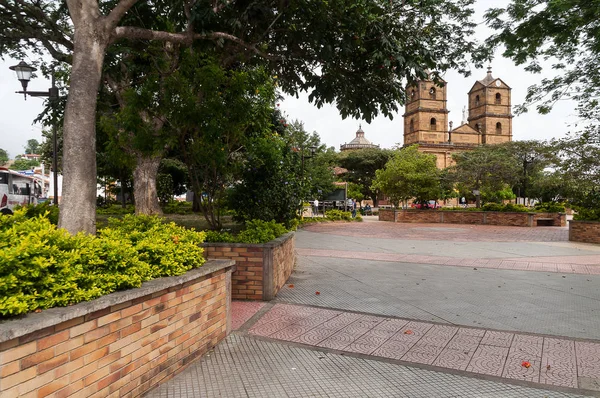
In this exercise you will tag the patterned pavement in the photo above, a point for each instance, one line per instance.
(588, 265)
(241, 311)
(447, 232)
(538, 359)
(246, 367)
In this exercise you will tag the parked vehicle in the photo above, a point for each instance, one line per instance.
(17, 189)
(431, 204)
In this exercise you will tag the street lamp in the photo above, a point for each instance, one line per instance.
(24, 71)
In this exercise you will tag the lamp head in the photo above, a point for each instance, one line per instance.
(23, 72)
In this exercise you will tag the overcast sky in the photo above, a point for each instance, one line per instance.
(17, 115)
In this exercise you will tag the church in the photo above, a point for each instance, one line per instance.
(488, 121)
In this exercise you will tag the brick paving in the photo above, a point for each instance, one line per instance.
(245, 367)
(446, 232)
(553, 361)
(588, 265)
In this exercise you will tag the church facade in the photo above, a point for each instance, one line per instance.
(488, 121)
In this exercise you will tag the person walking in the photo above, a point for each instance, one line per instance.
(316, 204)
(353, 208)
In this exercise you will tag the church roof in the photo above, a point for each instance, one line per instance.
(360, 142)
(488, 79)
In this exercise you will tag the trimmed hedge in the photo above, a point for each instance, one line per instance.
(256, 231)
(42, 266)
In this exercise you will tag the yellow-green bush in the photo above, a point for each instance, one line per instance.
(43, 267)
(255, 231)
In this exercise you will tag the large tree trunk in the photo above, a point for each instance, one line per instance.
(144, 185)
(78, 204)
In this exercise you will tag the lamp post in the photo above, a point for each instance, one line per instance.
(312, 150)
(24, 72)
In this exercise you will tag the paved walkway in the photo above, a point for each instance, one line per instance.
(416, 310)
(538, 359)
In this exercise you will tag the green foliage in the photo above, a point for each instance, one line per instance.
(3, 157)
(549, 207)
(362, 165)
(337, 215)
(409, 174)
(509, 207)
(115, 209)
(43, 267)
(584, 214)
(164, 188)
(24, 164)
(255, 231)
(43, 210)
(177, 207)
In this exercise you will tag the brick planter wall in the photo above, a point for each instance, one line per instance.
(119, 345)
(584, 231)
(474, 217)
(261, 269)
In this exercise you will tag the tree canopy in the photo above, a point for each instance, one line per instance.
(356, 55)
(3, 157)
(409, 174)
(562, 32)
(362, 165)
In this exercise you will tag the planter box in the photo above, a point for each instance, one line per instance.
(261, 269)
(475, 217)
(121, 344)
(584, 231)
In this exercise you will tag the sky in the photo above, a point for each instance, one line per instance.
(17, 115)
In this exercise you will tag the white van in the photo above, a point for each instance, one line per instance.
(17, 189)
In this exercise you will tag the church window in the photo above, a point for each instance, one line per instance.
(433, 124)
(478, 127)
(411, 127)
(476, 100)
(498, 98)
(498, 128)
(432, 93)
(413, 93)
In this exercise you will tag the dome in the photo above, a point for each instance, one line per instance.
(360, 142)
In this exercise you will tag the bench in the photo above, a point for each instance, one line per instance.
(545, 222)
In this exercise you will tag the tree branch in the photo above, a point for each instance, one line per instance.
(133, 33)
(118, 12)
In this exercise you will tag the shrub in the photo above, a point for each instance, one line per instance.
(256, 231)
(43, 209)
(584, 214)
(509, 207)
(336, 215)
(116, 210)
(177, 207)
(550, 207)
(43, 267)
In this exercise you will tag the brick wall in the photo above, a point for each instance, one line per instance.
(584, 231)
(419, 216)
(386, 215)
(261, 269)
(463, 217)
(120, 345)
(472, 217)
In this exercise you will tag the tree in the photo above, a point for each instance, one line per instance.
(409, 174)
(32, 147)
(357, 55)
(3, 157)
(362, 165)
(486, 168)
(564, 31)
(532, 157)
(24, 164)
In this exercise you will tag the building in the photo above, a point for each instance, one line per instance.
(360, 142)
(489, 119)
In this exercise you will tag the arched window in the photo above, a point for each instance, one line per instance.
(476, 100)
(498, 128)
(478, 127)
(411, 127)
(433, 124)
(498, 98)
(432, 93)
(413, 94)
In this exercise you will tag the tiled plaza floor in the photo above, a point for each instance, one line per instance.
(538, 359)
(241, 311)
(242, 367)
(588, 265)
